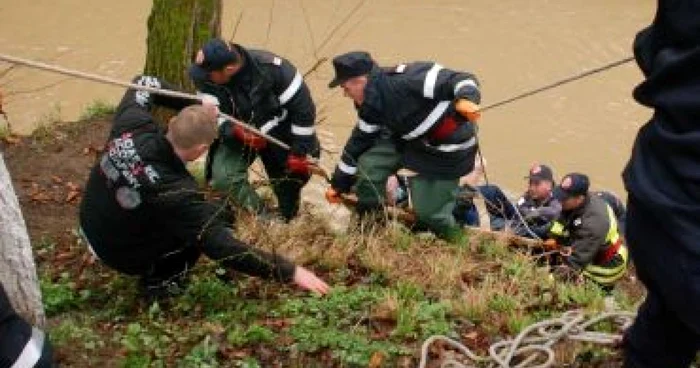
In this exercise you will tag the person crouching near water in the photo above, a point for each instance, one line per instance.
(142, 213)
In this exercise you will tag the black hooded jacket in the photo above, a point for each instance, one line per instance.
(409, 101)
(663, 173)
(141, 202)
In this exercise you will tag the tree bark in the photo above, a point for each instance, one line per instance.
(17, 269)
(176, 30)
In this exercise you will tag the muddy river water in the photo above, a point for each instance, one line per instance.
(512, 45)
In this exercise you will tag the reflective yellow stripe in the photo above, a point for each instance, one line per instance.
(557, 228)
(608, 275)
(613, 235)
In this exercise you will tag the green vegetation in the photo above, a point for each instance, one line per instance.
(45, 126)
(98, 109)
(381, 306)
(5, 131)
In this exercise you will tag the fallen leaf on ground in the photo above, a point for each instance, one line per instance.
(376, 360)
(72, 187)
(12, 140)
(72, 196)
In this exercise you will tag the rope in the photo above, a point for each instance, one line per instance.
(522, 221)
(107, 80)
(533, 346)
(559, 83)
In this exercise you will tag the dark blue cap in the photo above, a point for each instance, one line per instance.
(214, 55)
(541, 172)
(572, 185)
(351, 65)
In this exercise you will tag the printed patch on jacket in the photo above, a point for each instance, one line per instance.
(143, 97)
(123, 167)
(127, 197)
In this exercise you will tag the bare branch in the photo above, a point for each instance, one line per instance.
(308, 27)
(14, 67)
(238, 23)
(7, 71)
(349, 31)
(37, 89)
(269, 23)
(341, 24)
(316, 65)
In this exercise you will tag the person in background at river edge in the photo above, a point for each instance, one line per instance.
(142, 213)
(663, 183)
(588, 226)
(532, 215)
(267, 92)
(617, 206)
(429, 113)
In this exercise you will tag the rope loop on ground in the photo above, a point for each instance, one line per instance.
(532, 347)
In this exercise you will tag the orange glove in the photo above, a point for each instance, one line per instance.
(550, 244)
(468, 110)
(249, 138)
(333, 197)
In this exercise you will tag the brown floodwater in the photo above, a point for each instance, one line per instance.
(512, 45)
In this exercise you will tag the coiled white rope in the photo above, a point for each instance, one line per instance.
(533, 346)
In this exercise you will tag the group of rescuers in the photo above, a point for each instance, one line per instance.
(144, 214)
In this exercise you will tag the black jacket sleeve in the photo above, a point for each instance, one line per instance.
(295, 97)
(18, 336)
(363, 137)
(134, 110)
(439, 83)
(191, 218)
(588, 239)
(548, 212)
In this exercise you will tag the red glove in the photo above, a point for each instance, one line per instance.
(298, 165)
(249, 138)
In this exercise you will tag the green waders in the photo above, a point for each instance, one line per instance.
(433, 200)
(374, 168)
(230, 175)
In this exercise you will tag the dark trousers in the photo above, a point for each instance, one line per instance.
(503, 213)
(499, 207)
(666, 332)
(167, 261)
(230, 175)
(170, 267)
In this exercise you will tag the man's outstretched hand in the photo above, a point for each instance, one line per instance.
(307, 280)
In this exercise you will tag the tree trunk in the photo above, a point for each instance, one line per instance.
(17, 269)
(176, 30)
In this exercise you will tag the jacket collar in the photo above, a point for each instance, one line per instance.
(373, 100)
(576, 212)
(167, 152)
